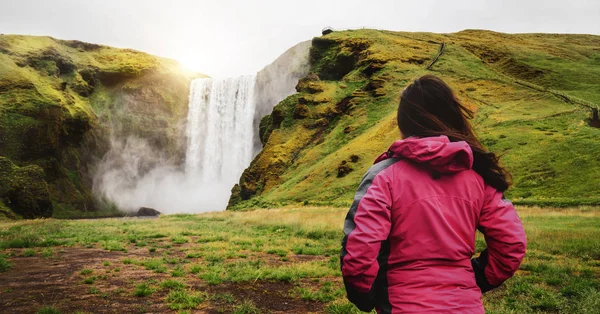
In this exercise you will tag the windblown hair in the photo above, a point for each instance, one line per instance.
(428, 107)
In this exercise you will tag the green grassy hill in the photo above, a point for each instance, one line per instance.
(532, 93)
(60, 101)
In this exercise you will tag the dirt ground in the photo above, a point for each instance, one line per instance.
(35, 282)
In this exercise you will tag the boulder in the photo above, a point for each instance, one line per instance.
(147, 211)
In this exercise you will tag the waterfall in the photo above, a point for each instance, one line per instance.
(224, 115)
(220, 129)
(220, 134)
(222, 138)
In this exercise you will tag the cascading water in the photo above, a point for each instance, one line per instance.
(220, 146)
(220, 129)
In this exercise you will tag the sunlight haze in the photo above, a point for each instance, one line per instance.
(228, 38)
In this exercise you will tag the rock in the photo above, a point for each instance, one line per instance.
(344, 105)
(5, 212)
(374, 67)
(277, 117)
(359, 93)
(312, 77)
(309, 87)
(594, 120)
(24, 190)
(310, 84)
(235, 196)
(375, 84)
(332, 58)
(81, 45)
(376, 87)
(52, 124)
(51, 58)
(301, 111)
(89, 76)
(349, 129)
(379, 92)
(415, 60)
(343, 169)
(147, 211)
(81, 86)
(314, 124)
(264, 129)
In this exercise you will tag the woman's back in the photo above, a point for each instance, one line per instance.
(423, 203)
(432, 236)
(410, 233)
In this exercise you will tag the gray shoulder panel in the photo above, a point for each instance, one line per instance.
(362, 190)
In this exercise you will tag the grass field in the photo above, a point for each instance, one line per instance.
(264, 261)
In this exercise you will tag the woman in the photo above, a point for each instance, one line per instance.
(410, 233)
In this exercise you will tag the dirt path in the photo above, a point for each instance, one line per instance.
(35, 282)
(439, 54)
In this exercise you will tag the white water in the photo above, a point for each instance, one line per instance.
(219, 129)
(133, 175)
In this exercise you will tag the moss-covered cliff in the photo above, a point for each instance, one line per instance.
(532, 94)
(59, 103)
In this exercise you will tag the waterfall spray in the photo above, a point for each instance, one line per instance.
(221, 129)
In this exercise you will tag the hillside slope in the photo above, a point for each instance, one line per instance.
(60, 103)
(533, 95)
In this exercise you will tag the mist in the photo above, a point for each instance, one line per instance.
(221, 138)
(133, 175)
(278, 80)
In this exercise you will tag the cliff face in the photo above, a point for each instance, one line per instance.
(62, 101)
(532, 93)
(277, 80)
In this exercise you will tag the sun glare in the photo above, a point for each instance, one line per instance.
(191, 63)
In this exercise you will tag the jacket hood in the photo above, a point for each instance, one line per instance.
(436, 153)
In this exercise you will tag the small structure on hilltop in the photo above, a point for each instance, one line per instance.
(327, 30)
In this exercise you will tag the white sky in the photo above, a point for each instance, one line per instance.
(228, 37)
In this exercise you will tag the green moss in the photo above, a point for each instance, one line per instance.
(58, 99)
(24, 190)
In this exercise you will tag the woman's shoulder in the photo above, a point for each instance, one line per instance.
(380, 166)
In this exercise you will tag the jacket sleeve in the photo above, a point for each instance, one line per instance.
(367, 225)
(505, 239)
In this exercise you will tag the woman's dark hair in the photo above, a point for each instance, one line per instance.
(428, 107)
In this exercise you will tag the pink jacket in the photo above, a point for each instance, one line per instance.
(410, 233)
